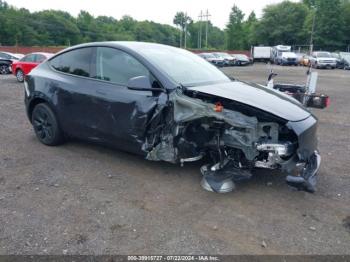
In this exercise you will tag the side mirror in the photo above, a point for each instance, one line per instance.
(142, 83)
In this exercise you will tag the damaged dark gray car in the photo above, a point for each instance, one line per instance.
(170, 105)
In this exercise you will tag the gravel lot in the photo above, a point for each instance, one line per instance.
(84, 199)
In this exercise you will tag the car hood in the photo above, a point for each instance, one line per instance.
(326, 59)
(289, 55)
(257, 96)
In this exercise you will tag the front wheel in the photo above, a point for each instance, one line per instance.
(46, 126)
(4, 69)
(20, 75)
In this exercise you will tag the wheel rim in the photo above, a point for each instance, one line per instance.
(20, 76)
(3, 69)
(43, 125)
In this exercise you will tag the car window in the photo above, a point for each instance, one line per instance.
(75, 62)
(40, 58)
(29, 58)
(117, 66)
(323, 55)
(5, 56)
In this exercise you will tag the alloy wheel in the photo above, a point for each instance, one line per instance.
(20, 75)
(4, 69)
(43, 125)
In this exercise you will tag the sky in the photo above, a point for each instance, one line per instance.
(161, 11)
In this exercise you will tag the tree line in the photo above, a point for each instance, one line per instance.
(289, 23)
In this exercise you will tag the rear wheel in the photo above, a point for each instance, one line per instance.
(4, 69)
(46, 126)
(20, 75)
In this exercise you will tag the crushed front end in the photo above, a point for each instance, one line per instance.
(234, 139)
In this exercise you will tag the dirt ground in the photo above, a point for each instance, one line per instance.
(84, 199)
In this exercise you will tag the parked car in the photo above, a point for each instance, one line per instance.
(168, 104)
(242, 60)
(323, 59)
(24, 66)
(300, 58)
(6, 60)
(228, 60)
(305, 60)
(339, 59)
(346, 60)
(212, 59)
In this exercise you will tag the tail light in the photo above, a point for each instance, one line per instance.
(318, 101)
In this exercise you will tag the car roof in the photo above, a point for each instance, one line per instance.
(41, 53)
(8, 53)
(128, 44)
(132, 46)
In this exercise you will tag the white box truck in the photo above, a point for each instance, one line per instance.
(283, 55)
(261, 53)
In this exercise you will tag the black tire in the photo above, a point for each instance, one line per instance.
(46, 126)
(20, 76)
(4, 69)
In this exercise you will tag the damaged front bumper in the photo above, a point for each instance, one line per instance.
(307, 177)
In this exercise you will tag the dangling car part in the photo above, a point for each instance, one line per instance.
(305, 94)
(168, 104)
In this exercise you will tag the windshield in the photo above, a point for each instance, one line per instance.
(225, 55)
(217, 55)
(183, 66)
(208, 56)
(323, 54)
(346, 57)
(241, 57)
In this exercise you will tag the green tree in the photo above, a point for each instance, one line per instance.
(282, 24)
(249, 27)
(216, 37)
(329, 24)
(346, 15)
(234, 30)
(182, 21)
(309, 3)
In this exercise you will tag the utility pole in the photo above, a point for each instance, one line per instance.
(185, 45)
(200, 18)
(312, 31)
(206, 15)
(181, 31)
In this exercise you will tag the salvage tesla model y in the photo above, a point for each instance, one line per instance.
(168, 104)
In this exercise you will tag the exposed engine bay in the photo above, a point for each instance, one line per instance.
(234, 139)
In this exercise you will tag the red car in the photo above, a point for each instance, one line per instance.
(23, 67)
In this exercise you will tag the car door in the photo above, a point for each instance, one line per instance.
(125, 113)
(27, 63)
(72, 92)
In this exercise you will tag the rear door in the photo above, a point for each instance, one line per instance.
(27, 63)
(73, 92)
